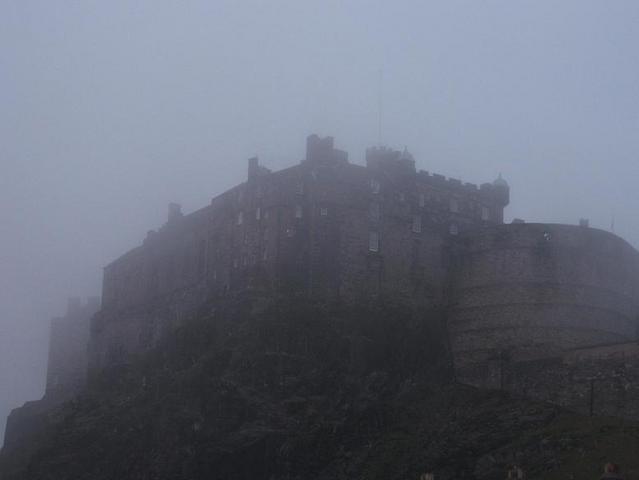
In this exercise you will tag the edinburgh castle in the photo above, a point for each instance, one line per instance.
(332, 230)
(545, 311)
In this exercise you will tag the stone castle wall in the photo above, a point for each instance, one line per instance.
(599, 380)
(529, 291)
(325, 228)
(68, 341)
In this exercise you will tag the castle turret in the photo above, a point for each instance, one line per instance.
(321, 150)
(255, 170)
(502, 190)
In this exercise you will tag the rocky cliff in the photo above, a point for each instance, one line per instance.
(288, 390)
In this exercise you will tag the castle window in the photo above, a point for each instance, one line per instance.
(453, 229)
(298, 211)
(258, 213)
(417, 223)
(422, 200)
(240, 218)
(373, 211)
(265, 254)
(375, 186)
(266, 215)
(290, 231)
(454, 205)
(485, 213)
(236, 263)
(324, 212)
(299, 189)
(373, 241)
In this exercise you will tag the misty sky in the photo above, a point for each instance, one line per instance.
(110, 110)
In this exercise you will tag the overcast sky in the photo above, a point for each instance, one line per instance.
(110, 110)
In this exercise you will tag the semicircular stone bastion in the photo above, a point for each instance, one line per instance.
(525, 291)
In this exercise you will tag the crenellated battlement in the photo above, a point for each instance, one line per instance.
(485, 189)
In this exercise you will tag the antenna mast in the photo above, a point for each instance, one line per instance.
(379, 109)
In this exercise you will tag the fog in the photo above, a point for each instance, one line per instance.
(110, 110)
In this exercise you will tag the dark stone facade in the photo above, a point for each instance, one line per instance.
(325, 229)
(532, 291)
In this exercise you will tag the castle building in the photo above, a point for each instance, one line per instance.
(325, 228)
(545, 310)
(331, 230)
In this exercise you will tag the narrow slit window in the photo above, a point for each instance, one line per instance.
(373, 241)
(298, 211)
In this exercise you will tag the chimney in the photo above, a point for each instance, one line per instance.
(318, 149)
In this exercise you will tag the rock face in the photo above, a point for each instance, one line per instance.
(286, 389)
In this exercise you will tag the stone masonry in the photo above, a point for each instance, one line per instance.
(326, 229)
(519, 299)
